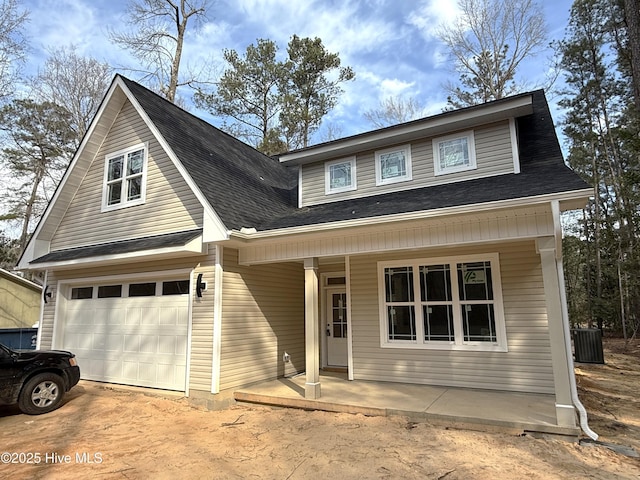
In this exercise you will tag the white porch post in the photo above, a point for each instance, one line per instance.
(311, 328)
(565, 414)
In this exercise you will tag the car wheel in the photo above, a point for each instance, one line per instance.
(41, 394)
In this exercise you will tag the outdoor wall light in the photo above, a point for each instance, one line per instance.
(200, 285)
(46, 294)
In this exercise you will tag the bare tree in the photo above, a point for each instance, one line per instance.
(74, 82)
(393, 111)
(487, 43)
(157, 38)
(13, 44)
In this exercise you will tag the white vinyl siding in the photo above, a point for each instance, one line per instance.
(526, 367)
(494, 156)
(262, 318)
(170, 205)
(200, 377)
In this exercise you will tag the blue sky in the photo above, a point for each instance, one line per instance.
(389, 43)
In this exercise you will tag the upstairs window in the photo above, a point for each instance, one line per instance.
(125, 178)
(393, 165)
(454, 153)
(340, 175)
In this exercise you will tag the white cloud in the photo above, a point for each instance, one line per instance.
(430, 14)
(393, 87)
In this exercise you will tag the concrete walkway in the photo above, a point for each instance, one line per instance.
(458, 407)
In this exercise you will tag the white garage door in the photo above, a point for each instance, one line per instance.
(133, 334)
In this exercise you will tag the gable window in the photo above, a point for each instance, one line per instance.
(454, 153)
(451, 303)
(340, 175)
(393, 165)
(125, 178)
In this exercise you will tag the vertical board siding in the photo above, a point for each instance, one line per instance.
(262, 318)
(493, 157)
(526, 367)
(170, 204)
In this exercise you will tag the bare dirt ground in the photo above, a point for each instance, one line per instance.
(104, 432)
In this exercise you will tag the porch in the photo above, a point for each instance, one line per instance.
(483, 410)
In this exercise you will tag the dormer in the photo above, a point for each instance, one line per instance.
(470, 143)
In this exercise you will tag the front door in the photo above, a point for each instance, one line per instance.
(336, 328)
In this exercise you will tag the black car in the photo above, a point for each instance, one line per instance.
(36, 380)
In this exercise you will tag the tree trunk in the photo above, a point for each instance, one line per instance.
(632, 19)
(28, 213)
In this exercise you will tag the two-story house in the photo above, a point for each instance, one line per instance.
(428, 253)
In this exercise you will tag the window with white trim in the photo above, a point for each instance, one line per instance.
(393, 165)
(448, 303)
(454, 153)
(125, 178)
(340, 176)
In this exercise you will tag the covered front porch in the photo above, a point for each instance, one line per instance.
(474, 409)
(516, 350)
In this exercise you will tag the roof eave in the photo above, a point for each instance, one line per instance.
(570, 200)
(193, 248)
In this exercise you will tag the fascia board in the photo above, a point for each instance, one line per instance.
(12, 277)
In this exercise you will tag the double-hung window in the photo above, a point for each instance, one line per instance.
(454, 153)
(125, 178)
(340, 175)
(451, 303)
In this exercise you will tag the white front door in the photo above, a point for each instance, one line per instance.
(336, 328)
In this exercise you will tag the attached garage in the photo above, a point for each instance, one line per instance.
(133, 333)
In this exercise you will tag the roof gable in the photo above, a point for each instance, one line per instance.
(242, 185)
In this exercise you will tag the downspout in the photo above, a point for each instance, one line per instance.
(572, 377)
(582, 412)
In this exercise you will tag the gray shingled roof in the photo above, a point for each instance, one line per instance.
(249, 189)
(124, 246)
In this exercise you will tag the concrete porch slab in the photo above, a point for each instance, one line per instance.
(455, 407)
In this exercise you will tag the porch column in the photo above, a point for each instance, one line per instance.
(311, 328)
(565, 414)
